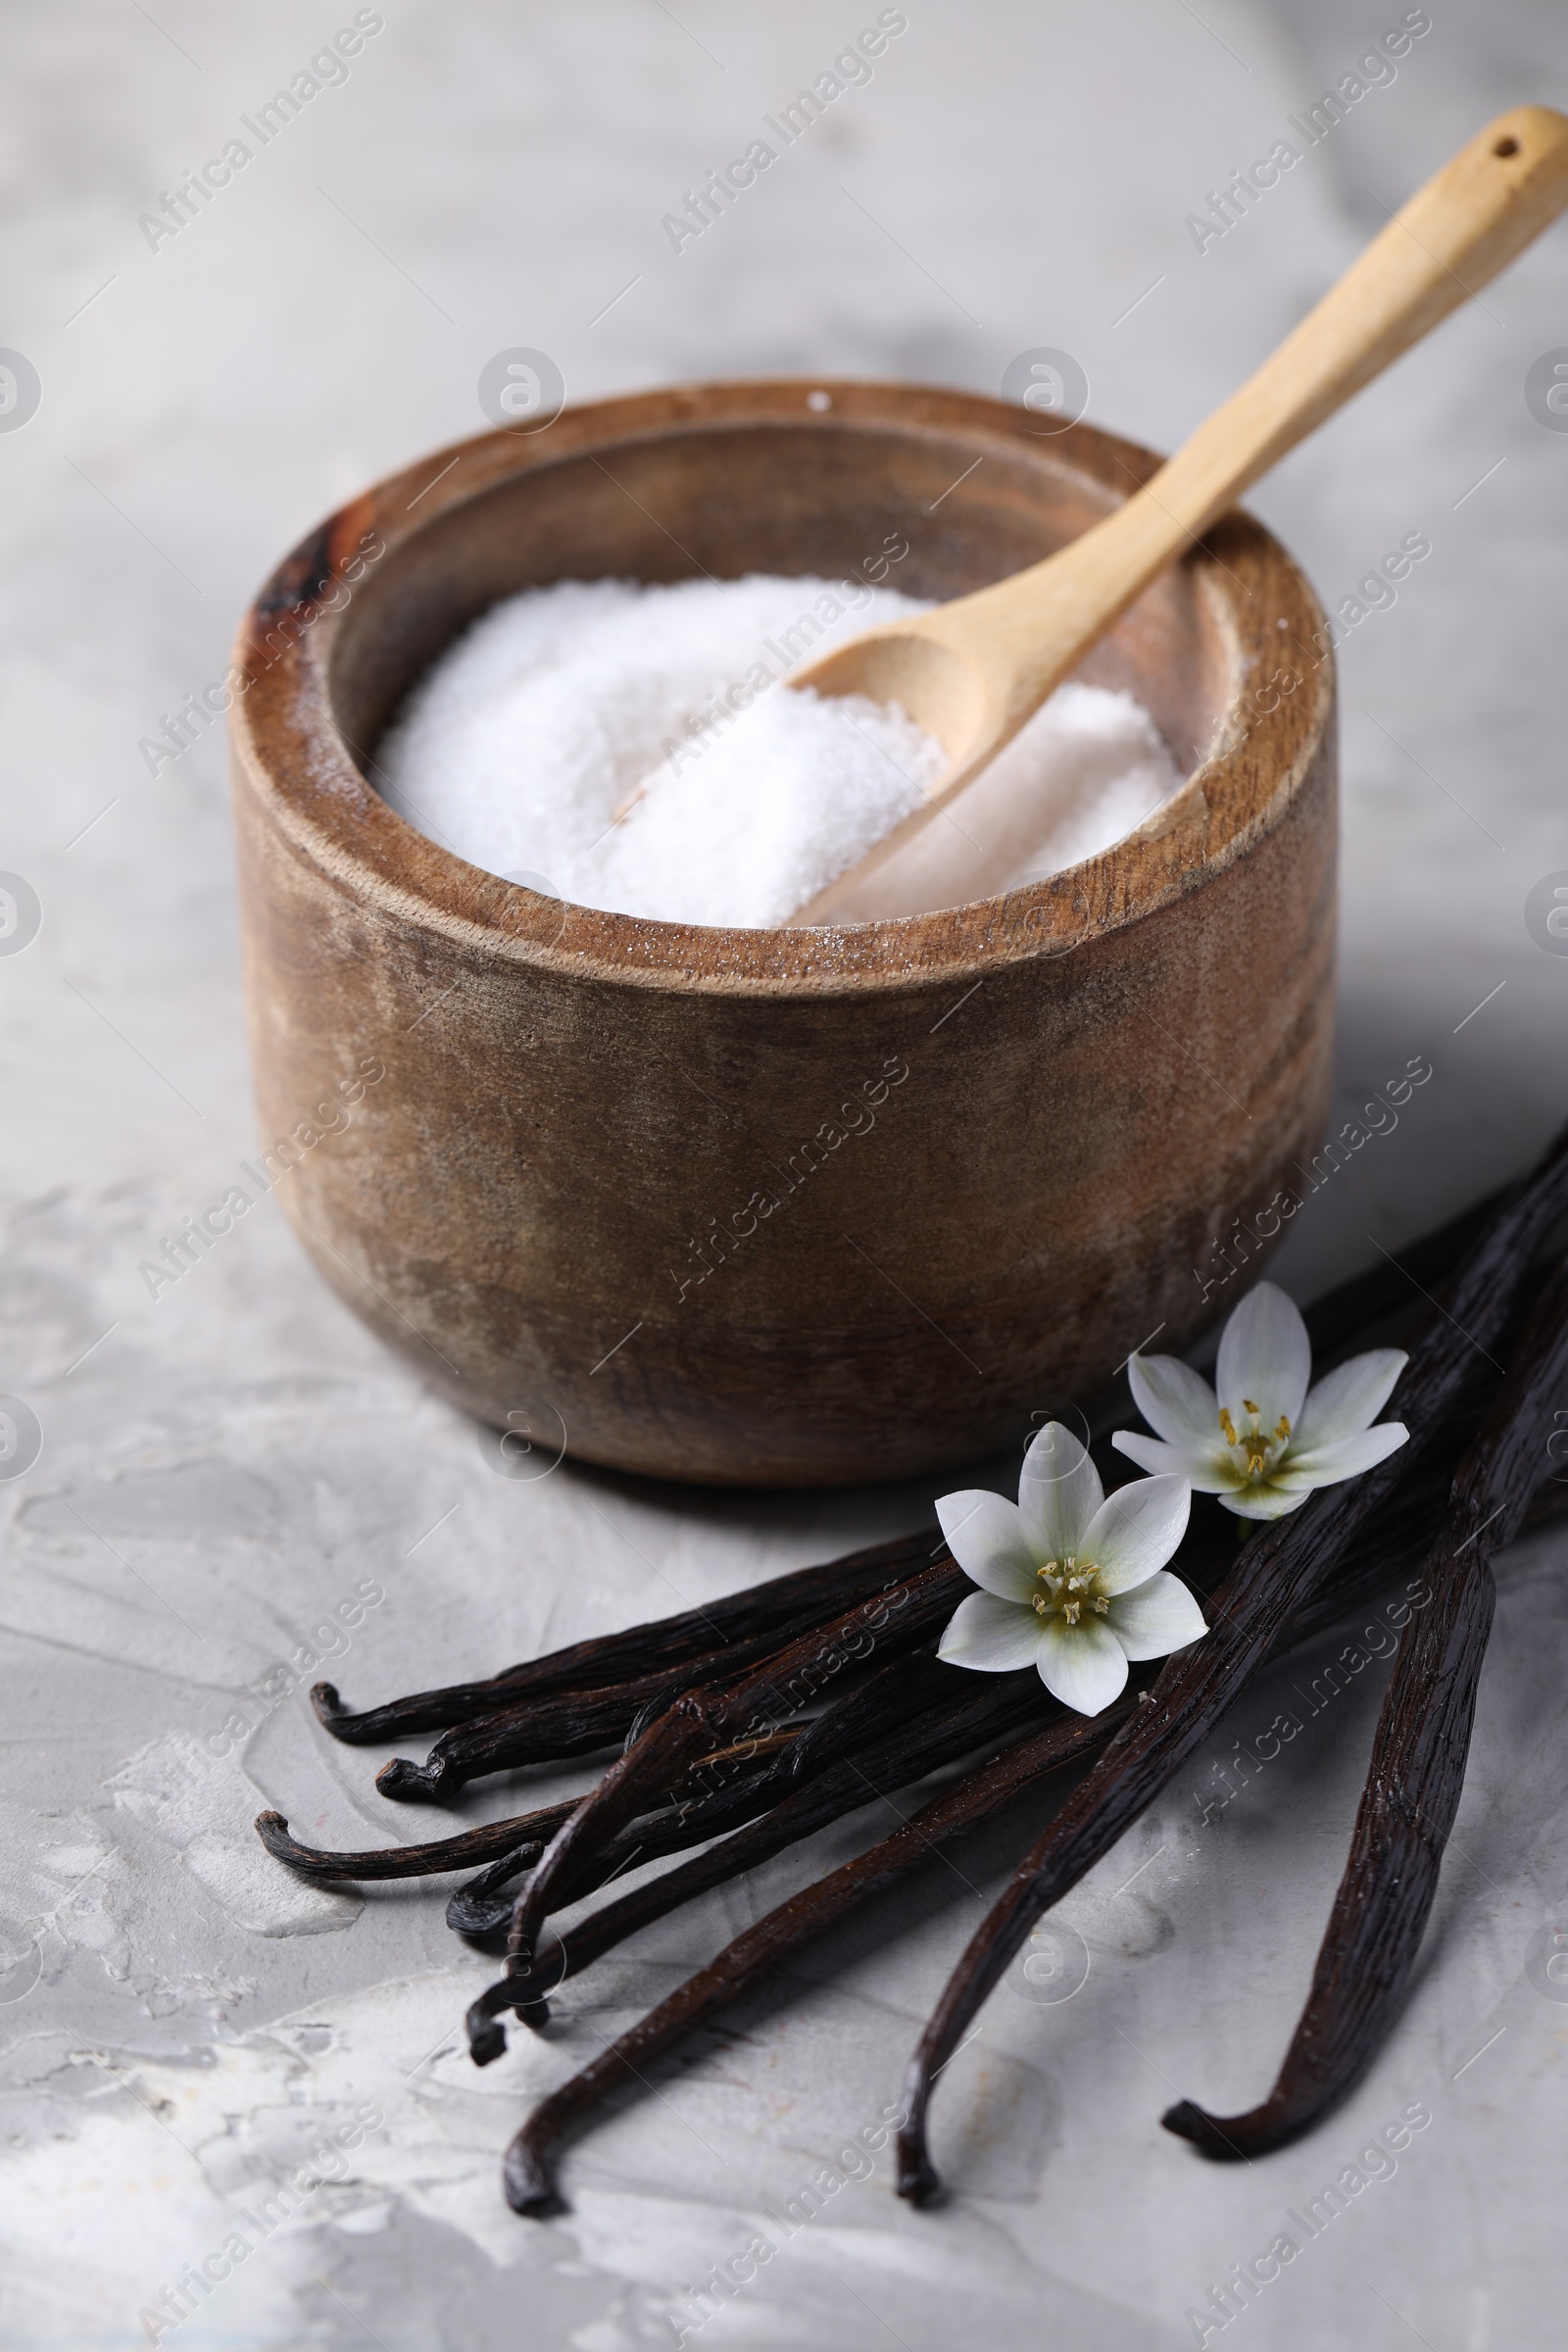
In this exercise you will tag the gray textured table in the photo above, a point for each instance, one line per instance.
(183, 2026)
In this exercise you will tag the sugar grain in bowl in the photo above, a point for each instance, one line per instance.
(652, 1176)
(627, 740)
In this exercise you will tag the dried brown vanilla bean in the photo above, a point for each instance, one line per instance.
(785, 1603)
(723, 1789)
(945, 1718)
(699, 1812)
(1395, 1542)
(528, 2174)
(492, 1843)
(889, 1623)
(1384, 1551)
(546, 1731)
(541, 1730)
(893, 1700)
(574, 1722)
(790, 1601)
(935, 1738)
(1417, 1771)
(1276, 1573)
(484, 1844)
(1344, 1313)
(842, 1760)
(513, 1842)
(508, 1847)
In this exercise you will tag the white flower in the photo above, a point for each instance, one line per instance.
(1070, 1577)
(1263, 1442)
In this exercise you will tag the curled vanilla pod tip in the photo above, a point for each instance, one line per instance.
(1416, 1775)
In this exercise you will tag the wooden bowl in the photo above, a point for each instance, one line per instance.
(781, 1207)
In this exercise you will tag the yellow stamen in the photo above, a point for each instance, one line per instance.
(1072, 1590)
(1258, 1450)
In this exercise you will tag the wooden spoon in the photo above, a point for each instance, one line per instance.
(973, 672)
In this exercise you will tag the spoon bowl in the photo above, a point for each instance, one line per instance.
(904, 663)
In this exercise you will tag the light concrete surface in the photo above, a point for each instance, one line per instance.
(181, 2025)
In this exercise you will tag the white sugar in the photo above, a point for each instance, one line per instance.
(568, 708)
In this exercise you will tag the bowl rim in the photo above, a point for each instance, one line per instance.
(290, 753)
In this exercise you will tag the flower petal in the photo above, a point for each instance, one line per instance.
(1176, 1401)
(994, 1637)
(1161, 1616)
(985, 1536)
(1059, 1492)
(1084, 1665)
(1136, 1530)
(1327, 1465)
(1272, 1501)
(1214, 1474)
(1264, 1354)
(1348, 1399)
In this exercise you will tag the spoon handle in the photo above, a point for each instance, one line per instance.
(1453, 237)
(1454, 234)
(1017, 641)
